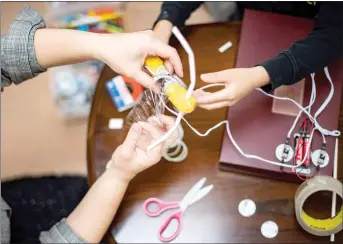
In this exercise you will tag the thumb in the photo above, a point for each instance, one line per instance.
(132, 138)
(146, 81)
(215, 77)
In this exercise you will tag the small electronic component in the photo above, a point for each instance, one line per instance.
(298, 143)
(320, 158)
(307, 161)
(284, 152)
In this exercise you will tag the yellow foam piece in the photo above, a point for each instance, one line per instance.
(177, 96)
(154, 63)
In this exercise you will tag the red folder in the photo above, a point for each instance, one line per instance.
(254, 127)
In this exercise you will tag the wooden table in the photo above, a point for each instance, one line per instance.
(215, 218)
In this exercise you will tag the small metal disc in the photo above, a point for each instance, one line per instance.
(269, 229)
(247, 208)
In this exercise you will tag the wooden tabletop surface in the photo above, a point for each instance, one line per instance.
(215, 218)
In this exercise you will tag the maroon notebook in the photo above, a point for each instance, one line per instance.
(253, 125)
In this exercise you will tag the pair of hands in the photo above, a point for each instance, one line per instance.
(132, 156)
(126, 53)
(238, 82)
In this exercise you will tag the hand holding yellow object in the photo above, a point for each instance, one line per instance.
(174, 91)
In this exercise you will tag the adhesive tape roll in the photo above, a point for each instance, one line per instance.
(318, 227)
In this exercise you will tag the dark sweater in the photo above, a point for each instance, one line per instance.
(323, 45)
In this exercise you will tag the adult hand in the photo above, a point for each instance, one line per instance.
(126, 54)
(163, 123)
(237, 84)
(132, 156)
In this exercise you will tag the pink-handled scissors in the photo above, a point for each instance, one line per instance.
(192, 196)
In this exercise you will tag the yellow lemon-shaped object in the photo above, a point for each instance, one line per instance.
(177, 96)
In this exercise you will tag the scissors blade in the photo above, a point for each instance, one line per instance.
(200, 194)
(192, 192)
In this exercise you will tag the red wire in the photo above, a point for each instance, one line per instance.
(307, 120)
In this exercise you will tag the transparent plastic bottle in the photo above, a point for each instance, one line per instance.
(151, 104)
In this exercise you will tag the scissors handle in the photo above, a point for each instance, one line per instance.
(178, 215)
(161, 206)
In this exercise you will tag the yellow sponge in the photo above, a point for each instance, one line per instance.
(177, 96)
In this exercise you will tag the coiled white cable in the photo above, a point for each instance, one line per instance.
(171, 156)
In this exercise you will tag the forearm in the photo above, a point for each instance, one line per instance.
(56, 47)
(311, 54)
(93, 216)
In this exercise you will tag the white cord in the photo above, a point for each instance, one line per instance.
(191, 87)
(236, 145)
(306, 110)
(333, 206)
(312, 100)
(322, 107)
(178, 145)
(191, 60)
(169, 132)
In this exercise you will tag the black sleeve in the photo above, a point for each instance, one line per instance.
(311, 54)
(177, 12)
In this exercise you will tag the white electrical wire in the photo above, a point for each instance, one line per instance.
(191, 87)
(236, 145)
(191, 60)
(333, 206)
(321, 108)
(305, 110)
(178, 145)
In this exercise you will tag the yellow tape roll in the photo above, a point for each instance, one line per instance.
(318, 227)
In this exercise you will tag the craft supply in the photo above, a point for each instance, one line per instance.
(196, 193)
(225, 47)
(305, 110)
(269, 229)
(318, 227)
(176, 155)
(247, 208)
(115, 124)
(335, 168)
(255, 128)
(123, 97)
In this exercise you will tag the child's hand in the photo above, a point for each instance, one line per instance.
(132, 156)
(126, 54)
(238, 83)
(163, 30)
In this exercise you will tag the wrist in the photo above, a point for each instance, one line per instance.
(120, 173)
(118, 176)
(261, 76)
(93, 47)
(163, 30)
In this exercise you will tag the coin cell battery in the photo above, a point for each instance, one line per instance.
(247, 208)
(269, 229)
